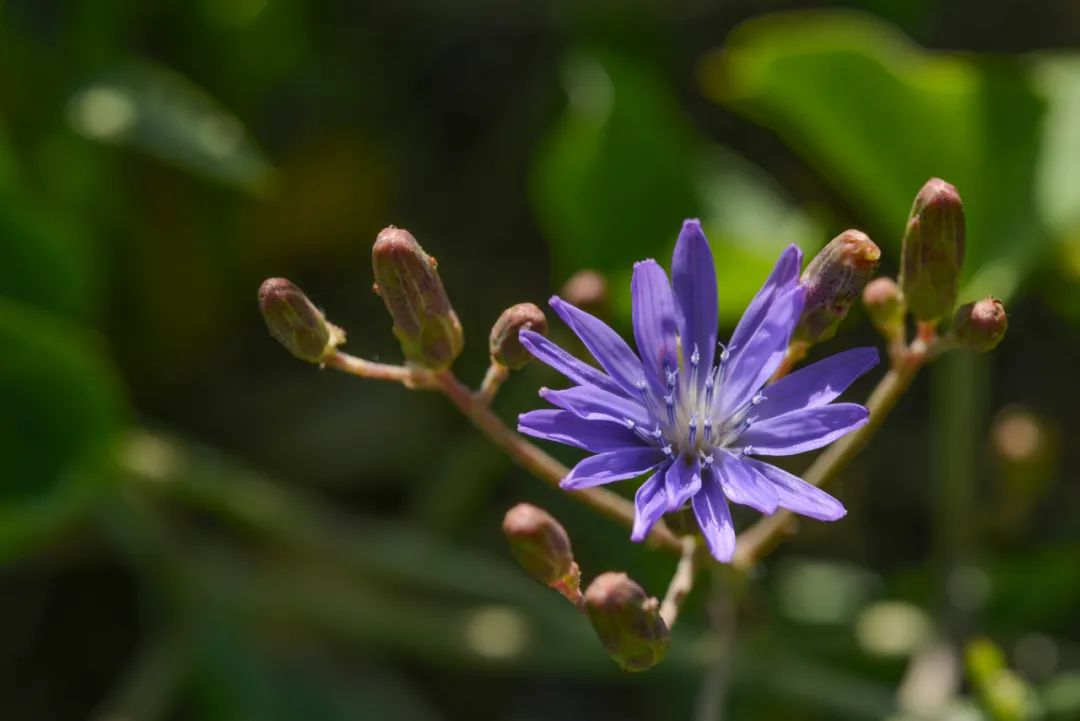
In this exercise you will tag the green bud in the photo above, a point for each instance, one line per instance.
(504, 345)
(627, 621)
(296, 323)
(884, 304)
(933, 252)
(833, 280)
(408, 281)
(542, 548)
(980, 326)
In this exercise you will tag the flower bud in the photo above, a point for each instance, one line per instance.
(933, 252)
(627, 621)
(980, 326)
(542, 548)
(588, 290)
(504, 345)
(406, 278)
(295, 322)
(833, 280)
(884, 304)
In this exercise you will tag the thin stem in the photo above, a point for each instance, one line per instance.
(411, 377)
(681, 583)
(496, 375)
(761, 538)
(796, 351)
(540, 464)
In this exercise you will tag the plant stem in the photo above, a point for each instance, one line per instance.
(761, 538)
(682, 582)
(496, 375)
(540, 464)
(411, 377)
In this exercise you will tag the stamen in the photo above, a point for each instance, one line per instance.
(757, 398)
(668, 451)
(671, 374)
(693, 430)
(724, 354)
(669, 400)
(629, 423)
(695, 357)
(708, 428)
(710, 385)
(744, 451)
(706, 458)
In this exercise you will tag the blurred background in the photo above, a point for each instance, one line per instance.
(195, 525)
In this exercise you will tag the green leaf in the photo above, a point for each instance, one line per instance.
(159, 112)
(878, 116)
(62, 406)
(623, 169)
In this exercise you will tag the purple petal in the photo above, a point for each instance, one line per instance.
(682, 481)
(784, 275)
(571, 367)
(610, 351)
(593, 404)
(750, 366)
(654, 321)
(803, 430)
(817, 384)
(612, 466)
(649, 505)
(693, 280)
(743, 485)
(797, 495)
(565, 427)
(714, 517)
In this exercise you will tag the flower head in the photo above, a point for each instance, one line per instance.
(693, 413)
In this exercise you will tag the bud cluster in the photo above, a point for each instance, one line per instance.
(626, 620)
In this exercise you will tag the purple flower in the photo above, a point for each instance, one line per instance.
(690, 412)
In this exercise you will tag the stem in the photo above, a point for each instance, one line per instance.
(681, 583)
(540, 464)
(411, 377)
(496, 375)
(761, 538)
(796, 351)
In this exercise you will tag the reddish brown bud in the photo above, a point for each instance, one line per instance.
(503, 343)
(833, 280)
(627, 621)
(542, 548)
(933, 251)
(980, 326)
(588, 290)
(295, 321)
(408, 281)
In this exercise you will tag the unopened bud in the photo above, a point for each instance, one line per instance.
(627, 621)
(408, 281)
(833, 280)
(504, 345)
(981, 325)
(884, 304)
(933, 252)
(588, 290)
(542, 548)
(296, 323)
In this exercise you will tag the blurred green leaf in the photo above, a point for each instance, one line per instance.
(61, 408)
(1058, 189)
(159, 112)
(237, 678)
(879, 116)
(624, 167)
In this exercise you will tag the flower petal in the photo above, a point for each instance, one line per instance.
(693, 281)
(682, 481)
(593, 404)
(649, 505)
(750, 365)
(784, 275)
(654, 321)
(803, 430)
(565, 427)
(743, 485)
(610, 351)
(797, 495)
(612, 466)
(714, 517)
(816, 384)
(573, 368)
